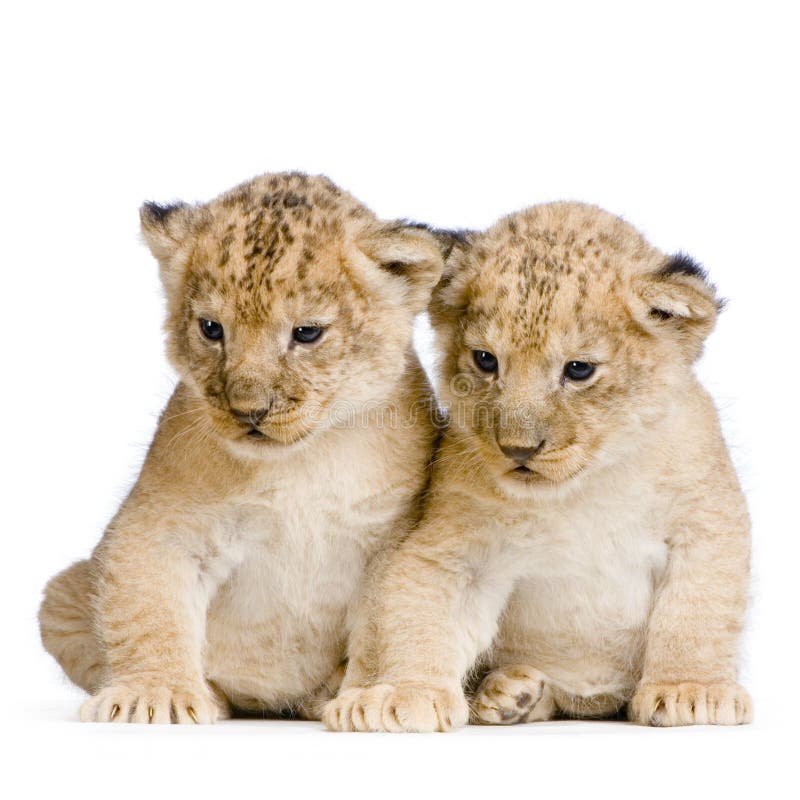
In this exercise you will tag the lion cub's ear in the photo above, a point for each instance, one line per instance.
(678, 300)
(410, 258)
(449, 298)
(166, 229)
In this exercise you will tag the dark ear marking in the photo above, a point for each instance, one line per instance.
(678, 300)
(410, 253)
(683, 264)
(395, 267)
(659, 313)
(165, 228)
(446, 239)
(157, 213)
(404, 224)
(449, 239)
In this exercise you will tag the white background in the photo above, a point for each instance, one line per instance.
(680, 116)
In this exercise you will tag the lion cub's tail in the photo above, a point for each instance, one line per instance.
(65, 622)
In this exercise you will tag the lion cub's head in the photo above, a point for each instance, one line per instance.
(286, 297)
(564, 334)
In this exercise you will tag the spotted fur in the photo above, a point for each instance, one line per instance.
(604, 568)
(231, 577)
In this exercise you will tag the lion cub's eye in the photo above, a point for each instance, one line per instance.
(578, 370)
(306, 334)
(211, 330)
(485, 361)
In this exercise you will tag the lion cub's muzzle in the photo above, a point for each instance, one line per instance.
(523, 457)
(251, 417)
(521, 453)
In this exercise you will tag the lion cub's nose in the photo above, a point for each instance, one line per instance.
(521, 454)
(252, 417)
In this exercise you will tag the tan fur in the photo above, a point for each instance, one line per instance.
(615, 570)
(231, 574)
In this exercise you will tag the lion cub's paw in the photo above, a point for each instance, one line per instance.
(667, 704)
(517, 693)
(415, 709)
(145, 703)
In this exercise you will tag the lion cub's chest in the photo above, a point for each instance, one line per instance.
(586, 585)
(303, 547)
(602, 566)
(276, 628)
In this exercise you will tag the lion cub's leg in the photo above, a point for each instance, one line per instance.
(514, 693)
(521, 693)
(590, 706)
(690, 703)
(311, 707)
(691, 654)
(65, 622)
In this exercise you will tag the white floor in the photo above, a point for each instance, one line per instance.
(51, 753)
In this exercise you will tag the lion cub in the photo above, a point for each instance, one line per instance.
(584, 533)
(230, 575)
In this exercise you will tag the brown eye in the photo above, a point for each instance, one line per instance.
(306, 334)
(211, 330)
(485, 361)
(578, 370)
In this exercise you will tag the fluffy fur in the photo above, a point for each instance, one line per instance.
(585, 543)
(230, 577)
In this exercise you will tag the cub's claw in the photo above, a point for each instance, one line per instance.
(151, 705)
(668, 704)
(396, 709)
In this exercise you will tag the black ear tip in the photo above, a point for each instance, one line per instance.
(451, 239)
(157, 213)
(460, 236)
(683, 264)
(412, 223)
(445, 238)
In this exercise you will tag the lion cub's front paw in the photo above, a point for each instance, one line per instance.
(134, 702)
(414, 709)
(667, 704)
(517, 693)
